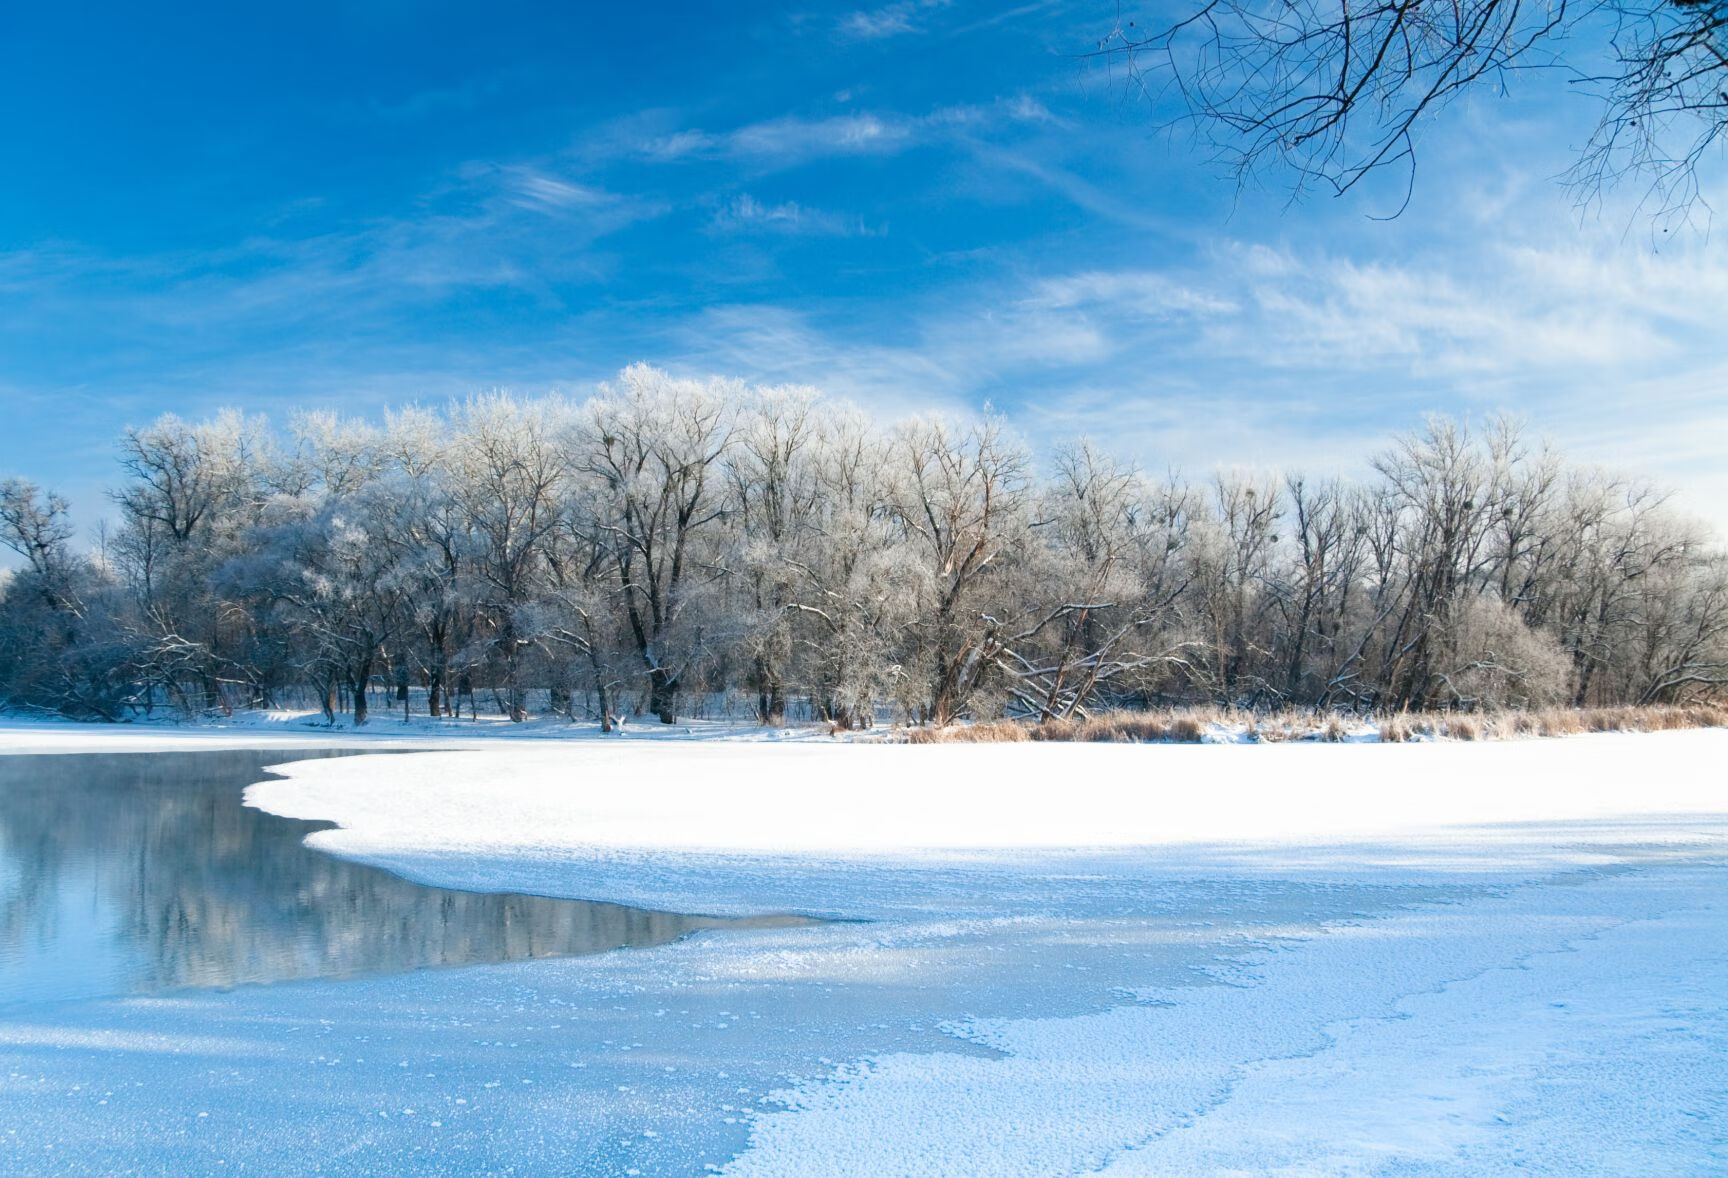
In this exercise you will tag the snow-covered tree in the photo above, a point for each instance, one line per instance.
(672, 538)
(651, 444)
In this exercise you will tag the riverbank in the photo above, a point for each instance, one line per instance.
(1192, 725)
(265, 730)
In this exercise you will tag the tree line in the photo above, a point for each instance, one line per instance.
(671, 538)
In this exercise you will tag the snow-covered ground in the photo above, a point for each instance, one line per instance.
(300, 729)
(1410, 959)
(833, 829)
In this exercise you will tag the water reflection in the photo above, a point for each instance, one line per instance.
(134, 874)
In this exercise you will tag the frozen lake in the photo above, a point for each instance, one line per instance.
(1539, 994)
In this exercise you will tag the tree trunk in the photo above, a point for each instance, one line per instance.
(663, 695)
(362, 673)
(770, 695)
(437, 674)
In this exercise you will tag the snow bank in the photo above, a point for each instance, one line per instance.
(733, 827)
(876, 799)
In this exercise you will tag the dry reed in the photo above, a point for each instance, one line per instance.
(1191, 725)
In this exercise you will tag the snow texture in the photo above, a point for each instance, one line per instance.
(865, 831)
(1424, 959)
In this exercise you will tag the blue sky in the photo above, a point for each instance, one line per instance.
(920, 204)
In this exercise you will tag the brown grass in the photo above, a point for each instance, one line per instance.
(990, 732)
(1190, 725)
(1462, 728)
(1406, 727)
(1553, 722)
(1187, 727)
(1128, 728)
(1646, 718)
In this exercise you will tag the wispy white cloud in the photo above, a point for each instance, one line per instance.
(839, 135)
(484, 229)
(746, 214)
(1256, 354)
(785, 345)
(1500, 311)
(888, 20)
(788, 139)
(677, 145)
(530, 188)
(1030, 110)
(793, 139)
(998, 161)
(1147, 293)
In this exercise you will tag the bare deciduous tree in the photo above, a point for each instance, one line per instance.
(1338, 92)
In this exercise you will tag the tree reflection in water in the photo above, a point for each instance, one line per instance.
(134, 874)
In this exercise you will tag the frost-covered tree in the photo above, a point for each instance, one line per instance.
(1098, 586)
(191, 493)
(440, 558)
(676, 544)
(651, 444)
(853, 596)
(509, 477)
(65, 643)
(773, 496)
(961, 494)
